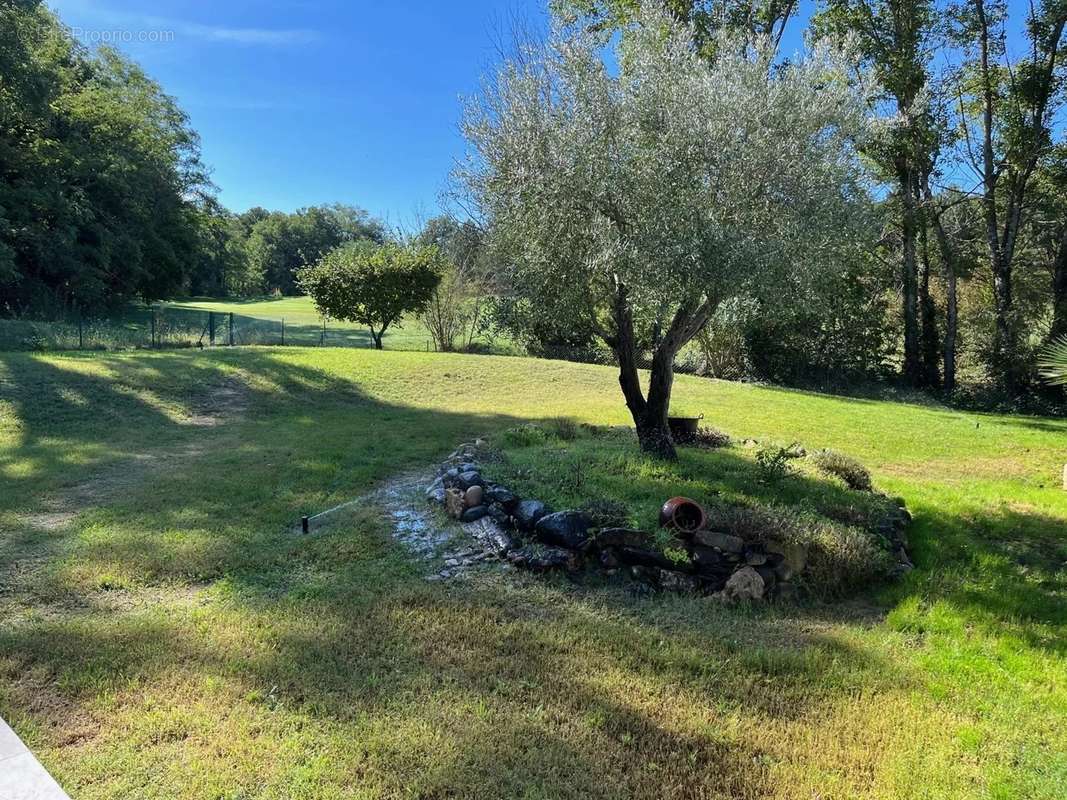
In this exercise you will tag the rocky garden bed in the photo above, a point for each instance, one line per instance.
(740, 550)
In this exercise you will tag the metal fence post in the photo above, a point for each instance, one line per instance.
(231, 329)
(211, 328)
(283, 331)
(81, 330)
(322, 337)
(153, 327)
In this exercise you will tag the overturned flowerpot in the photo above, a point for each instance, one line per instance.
(683, 515)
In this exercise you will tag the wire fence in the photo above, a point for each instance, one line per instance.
(168, 327)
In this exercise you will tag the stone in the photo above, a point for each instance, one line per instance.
(671, 581)
(468, 466)
(711, 563)
(436, 495)
(455, 503)
(648, 576)
(744, 585)
(468, 479)
(473, 496)
(726, 542)
(755, 558)
(769, 578)
(564, 529)
(644, 557)
(506, 498)
(794, 558)
(623, 537)
(474, 514)
(528, 513)
(499, 515)
(543, 559)
(609, 559)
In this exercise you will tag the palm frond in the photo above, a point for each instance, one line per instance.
(1053, 363)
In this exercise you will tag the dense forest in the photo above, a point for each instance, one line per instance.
(954, 282)
(104, 197)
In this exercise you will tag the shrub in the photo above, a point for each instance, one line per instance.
(848, 469)
(564, 428)
(606, 513)
(525, 435)
(774, 460)
(711, 438)
(840, 558)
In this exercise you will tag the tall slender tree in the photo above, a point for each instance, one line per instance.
(1007, 110)
(896, 39)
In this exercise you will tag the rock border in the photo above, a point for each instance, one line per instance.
(528, 534)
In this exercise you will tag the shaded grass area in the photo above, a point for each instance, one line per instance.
(175, 639)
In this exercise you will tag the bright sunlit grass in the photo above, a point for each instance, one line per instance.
(171, 637)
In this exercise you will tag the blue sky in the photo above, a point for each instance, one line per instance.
(301, 102)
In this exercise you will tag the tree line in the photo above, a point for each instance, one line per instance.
(104, 197)
(960, 276)
(891, 205)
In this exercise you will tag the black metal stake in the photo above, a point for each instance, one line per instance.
(211, 327)
(81, 332)
(231, 329)
(283, 331)
(305, 525)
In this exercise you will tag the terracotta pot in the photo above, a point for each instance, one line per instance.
(682, 514)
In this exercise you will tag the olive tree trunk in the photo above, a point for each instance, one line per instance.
(650, 411)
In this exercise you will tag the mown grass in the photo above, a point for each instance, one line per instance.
(176, 639)
(186, 323)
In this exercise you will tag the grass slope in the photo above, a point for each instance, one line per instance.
(163, 633)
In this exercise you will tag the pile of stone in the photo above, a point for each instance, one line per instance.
(529, 535)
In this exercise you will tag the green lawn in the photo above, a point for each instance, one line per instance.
(164, 634)
(184, 323)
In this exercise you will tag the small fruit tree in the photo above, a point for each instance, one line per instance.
(374, 286)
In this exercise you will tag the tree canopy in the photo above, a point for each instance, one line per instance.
(655, 193)
(374, 286)
(101, 184)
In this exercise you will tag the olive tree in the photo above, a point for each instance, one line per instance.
(644, 194)
(374, 286)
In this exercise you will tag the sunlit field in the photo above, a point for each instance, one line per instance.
(165, 633)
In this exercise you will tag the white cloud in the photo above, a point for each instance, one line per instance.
(251, 36)
(95, 21)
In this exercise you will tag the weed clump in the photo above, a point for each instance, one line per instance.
(606, 513)
(835, 464)
(775, 461)
(839, 558)
(710, 438)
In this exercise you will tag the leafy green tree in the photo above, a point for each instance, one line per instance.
(763, 19)
(457, 309)
(279, 244)
(1008, 121)
(896, 40)
(101, 185)
(374, 286)
(651, 194)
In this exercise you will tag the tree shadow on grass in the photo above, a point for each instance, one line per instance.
(511, 688)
